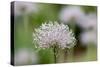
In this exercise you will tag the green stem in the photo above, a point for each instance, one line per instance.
(55, 51)
(55, 57)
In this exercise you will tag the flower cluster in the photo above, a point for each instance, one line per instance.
(49, 34)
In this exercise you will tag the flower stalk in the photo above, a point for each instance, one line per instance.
(55, 51)
(55, 57)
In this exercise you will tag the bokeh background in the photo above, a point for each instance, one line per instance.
(81, 19)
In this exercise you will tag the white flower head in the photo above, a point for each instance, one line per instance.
(25, 7)
(88, 37)
(51, 33)
(69, 12)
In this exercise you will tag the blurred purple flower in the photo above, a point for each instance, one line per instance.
(88, 37)
(21, 8)
(25, 56)
(70, 12)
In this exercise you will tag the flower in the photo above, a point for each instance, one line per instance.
(25, 56)
(70, 12)
(51, 33)
(86, 21)
(24, 7)
(88, 37)
(89, 21)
